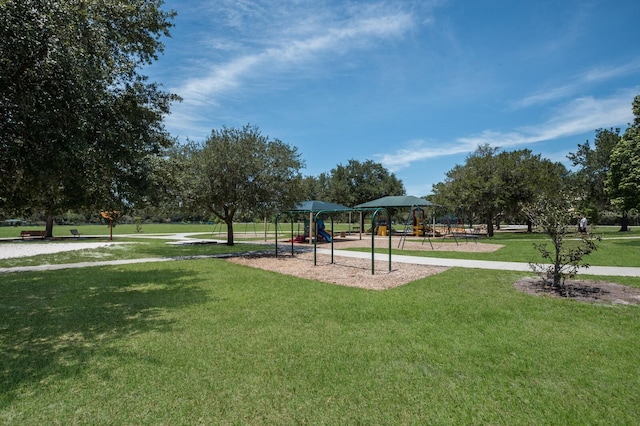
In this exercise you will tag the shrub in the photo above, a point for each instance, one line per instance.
(553, 217)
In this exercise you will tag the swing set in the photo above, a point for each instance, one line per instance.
(451, 226)
(454, 227)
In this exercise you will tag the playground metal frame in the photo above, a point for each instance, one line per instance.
(331, 213)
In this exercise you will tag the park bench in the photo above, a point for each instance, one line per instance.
(473, 235)
(465, 235)
(75, 233)
(33, 234)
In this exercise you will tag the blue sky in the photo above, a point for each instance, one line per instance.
(415, 85)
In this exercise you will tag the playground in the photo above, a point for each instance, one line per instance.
(345, 268)
(412, 243)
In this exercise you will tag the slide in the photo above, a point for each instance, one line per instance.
(324, 234)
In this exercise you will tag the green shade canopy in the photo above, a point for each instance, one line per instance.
(316, 206)
(396, 201)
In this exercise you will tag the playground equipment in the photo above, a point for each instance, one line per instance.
(417, 221)
(419, 225)
(317, 230)
(401, 202)
(453, 226)
(382, 228)
(315, 216)
(219, 227)
(321, 231)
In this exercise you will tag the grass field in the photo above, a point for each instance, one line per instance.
(210, 342)
(615, 249)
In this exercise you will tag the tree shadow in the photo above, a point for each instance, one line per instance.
(629, 242)
(52, 323)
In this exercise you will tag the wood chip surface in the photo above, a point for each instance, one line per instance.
(354, 272)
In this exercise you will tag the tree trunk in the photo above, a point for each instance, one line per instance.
(490, 224)
(229, 222)
(529, 226)
(557, 266)
(624, 222)
(49, 226)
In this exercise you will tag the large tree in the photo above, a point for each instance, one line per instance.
(593, 167)
(493, 183)
(358, 182)
(623, 179)
(316, 188)
(240, 170)
(474, 187)
(78, 122)
(524, 176)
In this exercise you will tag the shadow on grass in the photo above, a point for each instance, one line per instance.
(628, 243)
(52, 323)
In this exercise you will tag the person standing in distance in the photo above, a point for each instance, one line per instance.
(582, 227)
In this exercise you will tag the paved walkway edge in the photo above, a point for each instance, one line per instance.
(54, 267)
(418, 260)
(479, 264)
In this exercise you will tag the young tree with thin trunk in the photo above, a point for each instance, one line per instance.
(553, 216)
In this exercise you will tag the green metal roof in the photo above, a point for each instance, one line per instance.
(396, 201)
(316, 206)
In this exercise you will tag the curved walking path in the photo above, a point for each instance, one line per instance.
(479, 264)
(419, 260)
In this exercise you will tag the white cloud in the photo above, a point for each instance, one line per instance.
(187, 125)
(418, 151)
(577, 83)
(582, 115)
(420, 189)
(606, 73)
(576, 117)
(290, 54)
(546, 96)
(251, 50)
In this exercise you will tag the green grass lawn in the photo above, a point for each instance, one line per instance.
(210, 342)
(615, 249)
(130, 248)
(220, 230)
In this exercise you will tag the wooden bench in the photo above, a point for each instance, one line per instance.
(75, 233)
(33, 234)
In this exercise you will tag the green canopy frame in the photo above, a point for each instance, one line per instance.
(331, 213)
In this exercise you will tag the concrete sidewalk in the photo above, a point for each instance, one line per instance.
(479, 264)
(418, 260)
(55, 267)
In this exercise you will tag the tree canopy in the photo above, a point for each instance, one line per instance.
(358, 182)
(493, 183)
(623, 179)
(240, 170)
(317, 187)
(78, 121)
(593, 168)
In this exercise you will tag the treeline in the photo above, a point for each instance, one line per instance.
(495, 186)
(82, 131)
